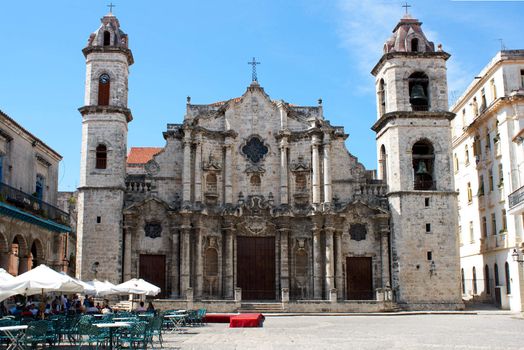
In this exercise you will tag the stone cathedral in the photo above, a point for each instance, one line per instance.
(259, 200)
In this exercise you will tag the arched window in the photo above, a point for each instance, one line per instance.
(414, 45)
(104, 84)
(101, 157)
(463, 281)
(383, 164)
(211, 183)
(382, 96)
(418, 91)
(496, 272)
(456, 162)
(255, 184)
(474, 281)
(107, 38)
(423, 159)
(508, 280)
(466, 153)
(487, 284)
(300, 183)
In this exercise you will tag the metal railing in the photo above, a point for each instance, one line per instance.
(32, 204)
(516, 197)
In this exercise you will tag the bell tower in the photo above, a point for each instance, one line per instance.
(414, 152)
(103, 154)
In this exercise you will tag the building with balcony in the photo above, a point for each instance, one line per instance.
(33, 230)
(488, 159)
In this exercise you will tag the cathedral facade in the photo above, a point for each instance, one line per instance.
(255, 199)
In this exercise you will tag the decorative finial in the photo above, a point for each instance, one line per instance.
(188, 99)
(111, 7)
(320, 101)
(406, 6)
(254, 63)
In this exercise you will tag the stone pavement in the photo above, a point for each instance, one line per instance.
(484, 330)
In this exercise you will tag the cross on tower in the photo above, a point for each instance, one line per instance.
(254, 63)
(111, 7)
(406, 6)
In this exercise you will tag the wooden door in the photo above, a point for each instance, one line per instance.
(359, 277)
(152, 268)
(256, 267)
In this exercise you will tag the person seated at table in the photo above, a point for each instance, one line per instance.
(141, 307)
(26, 312)
(78, 308)
(16, 309)
(150, 307)
(91, 309)
(106, 309)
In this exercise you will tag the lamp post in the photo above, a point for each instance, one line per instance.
(516, 256)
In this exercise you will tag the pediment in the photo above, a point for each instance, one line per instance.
(147, 204)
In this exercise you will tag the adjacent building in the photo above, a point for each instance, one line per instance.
(33, 230)
(259, 199)
(488, 158)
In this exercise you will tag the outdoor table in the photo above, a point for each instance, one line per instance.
(14, 335)
(111, 326)
(176, 320)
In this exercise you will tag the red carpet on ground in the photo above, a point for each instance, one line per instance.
(246, 320)
(218, 318)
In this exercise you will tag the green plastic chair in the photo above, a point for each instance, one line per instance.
(135, 335)
(36, 333)
(154, 328)
(90, 334)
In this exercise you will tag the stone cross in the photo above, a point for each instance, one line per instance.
(254, 63)
(406, 6)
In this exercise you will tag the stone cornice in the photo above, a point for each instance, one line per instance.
(86, 110)
(412, 55)
(409, 115)
(110, 49)
(442, 193)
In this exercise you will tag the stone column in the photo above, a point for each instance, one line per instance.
(127, 254)
(198, 170)
(339, 276)
(186, 170)
(330, 261)
(185, 261)
(384, 238)
(316, 168)
(199, 267)
(228, 185)
(326, 161)
(284, 258)
(229, 287)
(317, 264)
(284, 193)
(175, 264)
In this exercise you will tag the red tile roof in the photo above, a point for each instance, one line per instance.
(142, 155)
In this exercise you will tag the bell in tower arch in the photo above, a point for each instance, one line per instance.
(417, 96)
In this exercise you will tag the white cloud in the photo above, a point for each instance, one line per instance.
(365, 25)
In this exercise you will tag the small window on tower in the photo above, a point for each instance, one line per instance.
(428, 228)
(107, 38)
(426, 202)
(429, 255)
(414, 45)
(104, 84)
(101, 157)
(98, 219)
(522, 78)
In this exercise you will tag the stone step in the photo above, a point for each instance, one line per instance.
(260, 307)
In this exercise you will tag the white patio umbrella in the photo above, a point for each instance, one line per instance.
(88, 289)
(5, 276)
(102, 287)
(136, 286)
(40, 280)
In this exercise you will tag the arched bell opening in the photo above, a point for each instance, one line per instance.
(418, 91)
(423, 165)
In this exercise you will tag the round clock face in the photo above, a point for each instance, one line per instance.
(104, 78)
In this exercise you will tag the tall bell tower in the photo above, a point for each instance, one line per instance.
(414, 152)
(103, 155)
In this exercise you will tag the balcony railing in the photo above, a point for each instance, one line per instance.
(32, 204)
(516, 197)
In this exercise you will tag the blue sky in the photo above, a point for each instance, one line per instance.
(308, 49)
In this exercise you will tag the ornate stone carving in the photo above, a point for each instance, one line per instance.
(212, 164)
(358, 232)
(254, 149)
(153, 229)
(300, 165)
(152, 167)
